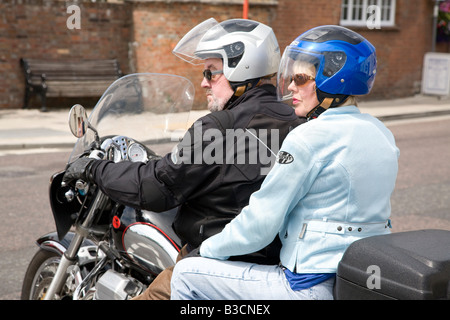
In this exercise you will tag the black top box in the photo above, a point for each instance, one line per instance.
(413, 265)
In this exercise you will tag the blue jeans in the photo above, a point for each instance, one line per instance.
(203, 279)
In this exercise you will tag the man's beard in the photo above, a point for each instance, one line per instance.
(216, 104)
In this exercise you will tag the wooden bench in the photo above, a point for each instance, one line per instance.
(87, 78)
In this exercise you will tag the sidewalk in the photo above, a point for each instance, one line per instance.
(29, 129)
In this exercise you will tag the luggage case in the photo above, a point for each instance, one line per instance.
(413, 265)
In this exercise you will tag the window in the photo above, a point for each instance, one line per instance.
(372, 14)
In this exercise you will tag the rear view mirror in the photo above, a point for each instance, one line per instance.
(78, 120)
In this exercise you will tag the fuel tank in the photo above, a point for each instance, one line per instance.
(147, 237)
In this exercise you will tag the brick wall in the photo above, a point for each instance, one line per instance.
(142, 34)
(400, 49)
(159, 27)
(293, 17)
(37, 29)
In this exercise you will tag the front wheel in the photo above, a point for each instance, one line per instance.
(39, 275)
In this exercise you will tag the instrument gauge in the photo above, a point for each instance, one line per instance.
(137, 153)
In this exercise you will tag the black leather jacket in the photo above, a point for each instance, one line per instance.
(210, 181)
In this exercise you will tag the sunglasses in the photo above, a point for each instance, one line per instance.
(301, 78)
(208, 74)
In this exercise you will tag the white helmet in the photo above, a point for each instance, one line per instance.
(249, 49)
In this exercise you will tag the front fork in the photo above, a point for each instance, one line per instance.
(70, 255)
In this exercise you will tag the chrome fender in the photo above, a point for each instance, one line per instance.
(88, 251)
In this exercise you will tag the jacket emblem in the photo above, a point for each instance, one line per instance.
(284, 157)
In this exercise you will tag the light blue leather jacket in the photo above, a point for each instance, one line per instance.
(331, 185)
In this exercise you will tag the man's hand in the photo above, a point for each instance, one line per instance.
(79, 169)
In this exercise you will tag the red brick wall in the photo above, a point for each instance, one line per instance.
(37, 29)
(400, 49)
(142, 35)
(293, 17)
(159, 27)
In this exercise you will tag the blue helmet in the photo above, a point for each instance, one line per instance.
(344, 62)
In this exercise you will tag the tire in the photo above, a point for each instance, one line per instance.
(39, 274)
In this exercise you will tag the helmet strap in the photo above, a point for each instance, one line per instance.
(240, 88)
(319, 109)
(326, 101)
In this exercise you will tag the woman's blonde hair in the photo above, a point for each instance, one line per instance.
(305, 67)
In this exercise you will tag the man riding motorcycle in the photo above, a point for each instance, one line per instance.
(239, 57)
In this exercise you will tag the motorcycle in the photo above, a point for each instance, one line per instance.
(103, 250)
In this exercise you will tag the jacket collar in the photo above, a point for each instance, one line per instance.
(352, 109)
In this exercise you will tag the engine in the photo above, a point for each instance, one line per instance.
(117, 286)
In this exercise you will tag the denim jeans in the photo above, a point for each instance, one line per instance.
(203, 279)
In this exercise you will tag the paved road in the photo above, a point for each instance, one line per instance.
(422, 195)
(25, 213)
(421, 198)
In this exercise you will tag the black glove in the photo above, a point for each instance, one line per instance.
(79, 169)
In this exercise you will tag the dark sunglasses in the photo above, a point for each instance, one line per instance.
(301, 78)
(208, 73)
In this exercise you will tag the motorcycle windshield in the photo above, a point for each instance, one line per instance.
(151, 108)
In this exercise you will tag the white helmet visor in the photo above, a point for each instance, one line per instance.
(248, 49)
(186, 48)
